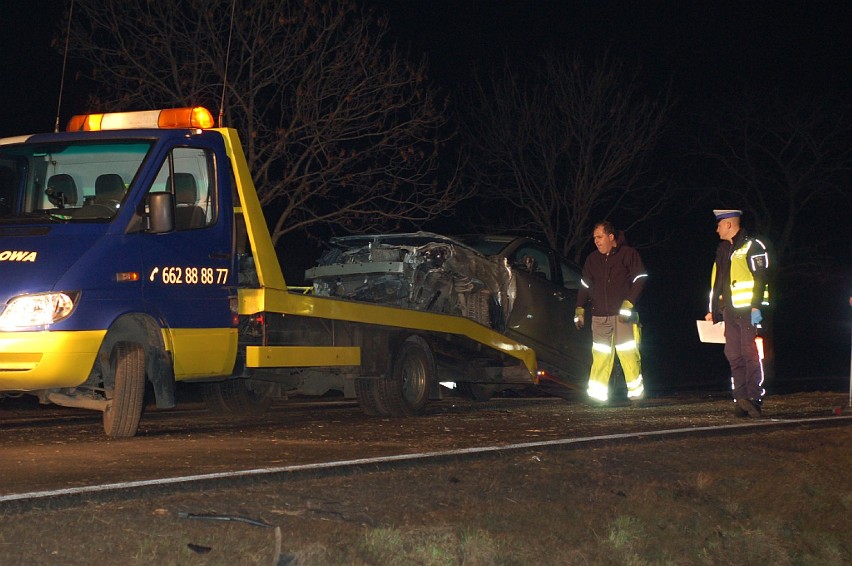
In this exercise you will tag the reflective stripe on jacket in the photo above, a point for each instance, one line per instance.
(608, 280)
(747, 267)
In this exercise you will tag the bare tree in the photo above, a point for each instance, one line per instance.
(339, 129)
(564, 143)
(789, 162)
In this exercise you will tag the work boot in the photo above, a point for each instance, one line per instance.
(750, 406)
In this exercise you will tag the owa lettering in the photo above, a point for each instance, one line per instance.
(14, 255)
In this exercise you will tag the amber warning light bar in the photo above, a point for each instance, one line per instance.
(195, 117)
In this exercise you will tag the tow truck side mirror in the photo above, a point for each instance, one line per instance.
(161, 213)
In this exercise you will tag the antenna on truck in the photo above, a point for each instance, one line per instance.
(227, 59)
(64, 63)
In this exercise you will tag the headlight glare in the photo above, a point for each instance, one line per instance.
(37, 310)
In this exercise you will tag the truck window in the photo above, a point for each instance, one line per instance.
(188, 174)
(7, 189)
(84, 181)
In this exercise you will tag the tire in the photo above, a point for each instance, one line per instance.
(124, 403)
(369, 396)
(241, 397)
(406, 393)
(476, 391)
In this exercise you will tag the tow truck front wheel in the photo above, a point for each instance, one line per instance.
(126, 394)
(407, 392)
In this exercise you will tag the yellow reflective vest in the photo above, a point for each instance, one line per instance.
(747, 284)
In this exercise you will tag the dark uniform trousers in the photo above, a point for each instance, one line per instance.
(741, 352)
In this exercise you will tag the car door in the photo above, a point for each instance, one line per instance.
(577, 349)
(542, 314)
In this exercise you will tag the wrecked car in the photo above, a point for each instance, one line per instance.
(514, 285)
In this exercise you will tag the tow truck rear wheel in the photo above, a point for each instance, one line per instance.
(125, 397)
(243, 397)
(476, 391)
(407, 391)
(369, 396)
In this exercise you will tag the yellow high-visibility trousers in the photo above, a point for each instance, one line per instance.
(613, 337)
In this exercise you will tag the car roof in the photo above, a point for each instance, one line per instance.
(499, 241)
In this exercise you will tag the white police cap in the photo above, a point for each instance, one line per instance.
(722, 214)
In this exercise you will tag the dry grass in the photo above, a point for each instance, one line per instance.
(781, 497)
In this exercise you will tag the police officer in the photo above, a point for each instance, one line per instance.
(613, 278)
(739, 292)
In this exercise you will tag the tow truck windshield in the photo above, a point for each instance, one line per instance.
(85, 181)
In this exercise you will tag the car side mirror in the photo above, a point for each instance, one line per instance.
(161, 213)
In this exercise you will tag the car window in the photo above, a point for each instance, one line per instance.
(483, 245)
(570, 275)
(533, 259)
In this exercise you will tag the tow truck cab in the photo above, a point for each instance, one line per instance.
(117, 259)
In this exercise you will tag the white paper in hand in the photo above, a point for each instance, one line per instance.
(710, 333)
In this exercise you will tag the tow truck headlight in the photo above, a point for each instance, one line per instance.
(37, 310)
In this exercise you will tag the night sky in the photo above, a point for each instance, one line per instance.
(700, 45)
(706, 49)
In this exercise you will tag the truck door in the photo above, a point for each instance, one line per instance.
(188, 274)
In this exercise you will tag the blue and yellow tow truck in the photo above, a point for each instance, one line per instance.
(134, 254)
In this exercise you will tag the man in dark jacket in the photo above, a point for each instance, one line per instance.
(613, 278)
(738, 292)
